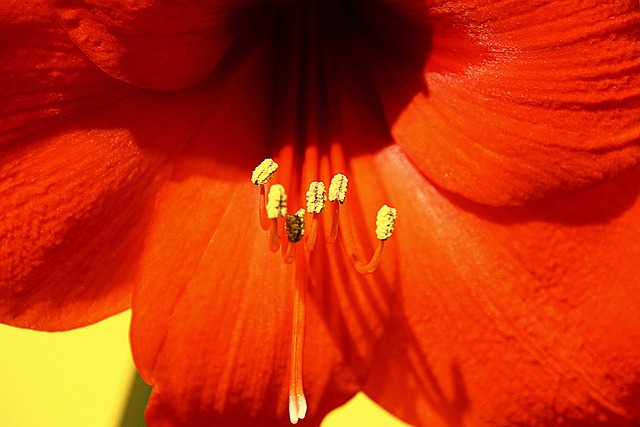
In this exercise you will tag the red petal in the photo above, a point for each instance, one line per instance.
(513, 316)
(75, 205)
(44, 78)
(527, 99)
(154, 44)
(79, 170)
(77, 202)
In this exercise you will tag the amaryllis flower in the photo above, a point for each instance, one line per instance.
(504, 135)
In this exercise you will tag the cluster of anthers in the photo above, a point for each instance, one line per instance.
(272, 208)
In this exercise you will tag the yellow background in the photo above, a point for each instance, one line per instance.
(83, 378)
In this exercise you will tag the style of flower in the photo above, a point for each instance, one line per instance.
(503, 134)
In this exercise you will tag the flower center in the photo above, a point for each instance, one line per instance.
(286, 231)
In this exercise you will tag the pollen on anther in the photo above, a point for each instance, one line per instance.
(338, 188)
(316, 197)
(385, 222)
(276, 202)
(294, 226)
(263, 172)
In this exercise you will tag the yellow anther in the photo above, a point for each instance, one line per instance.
(338, 188)
(263, 172)
(276, 202)
(294, 226)
(385, 222)
(316, 197)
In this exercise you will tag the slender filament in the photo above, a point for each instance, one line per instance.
(274, 239)
(288, 250)
(372, 265)
(262, 210)
(310, 243)
(335, 220)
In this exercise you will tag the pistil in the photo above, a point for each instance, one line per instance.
(297, 400)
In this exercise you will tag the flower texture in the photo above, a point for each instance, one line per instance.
(505, 134)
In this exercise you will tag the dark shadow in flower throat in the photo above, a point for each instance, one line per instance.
(384, 46)
(322, 51)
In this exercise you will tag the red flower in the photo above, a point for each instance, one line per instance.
(506, 134)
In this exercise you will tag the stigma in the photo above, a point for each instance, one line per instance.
(287, 231)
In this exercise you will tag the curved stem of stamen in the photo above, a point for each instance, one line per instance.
(310, 242)
(335, 220)
(288, 250)
(297, 401)
(372, 265)
(346, 237)
(274, 239)
(262, 209)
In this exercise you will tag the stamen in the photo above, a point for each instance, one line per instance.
(337, 192)
(276, 207)
(263, 172)
(338, 188)
(316, 199)
(385, 223)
